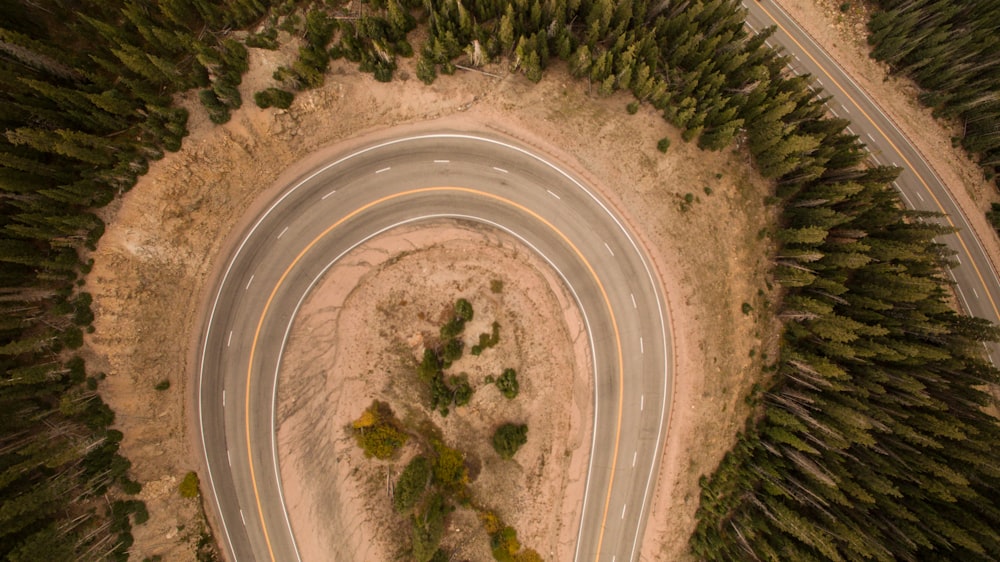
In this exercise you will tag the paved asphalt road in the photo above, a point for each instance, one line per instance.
(428, 178)
(978, 286)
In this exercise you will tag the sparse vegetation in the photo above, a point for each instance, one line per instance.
(507, 384)
(378, 432)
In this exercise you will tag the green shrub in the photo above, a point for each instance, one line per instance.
(131, 487)
(496, 286)
(273, 97)
(461, 389)
(449, 467)
(508, 438)
(378, 432)
(189, 485)
(507, 383)
(452, 351)
(504, 544)
(663, 144)
(411, 483)
(463, 309)
(267, 39)
(430, 366)
(632, 108)
(428, 528)
(162, 385)
(993, 215)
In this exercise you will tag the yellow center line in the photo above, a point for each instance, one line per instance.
(363, 208)
(958, 233)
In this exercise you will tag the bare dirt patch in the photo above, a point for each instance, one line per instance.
(154, 268)
(360, 336)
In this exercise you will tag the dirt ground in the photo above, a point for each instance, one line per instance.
(167, 237)
(392, 295)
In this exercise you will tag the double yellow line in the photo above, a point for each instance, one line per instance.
(902, 156)
(372, 204)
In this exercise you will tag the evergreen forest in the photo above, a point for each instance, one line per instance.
(952, 51)
(869, 438)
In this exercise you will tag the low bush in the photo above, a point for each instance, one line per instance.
(508, 438)
(507, 383)
(411, 483)
(273, 97)
(189, 485)
(378, 432)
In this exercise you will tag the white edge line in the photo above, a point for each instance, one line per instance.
(553, 194)
(386, 169)
(501, 170)
(282, 233)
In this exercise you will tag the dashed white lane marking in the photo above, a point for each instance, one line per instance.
(919, 196)
(642, 349)
(974, 292)
(243, 518)
(819, 82)
(282, 233)
(553, 194)
(849, 130)
(386, 169)
(642, 401)
(329, 194)
(609, 249)
(501, 170)
(635, 455)
(833, 111)
(750, 26)
(223, 398)
(442, 161)
(870, 136)
(248, 283)
(845, 108)
(230, 342)
(623, 510)
(632, 296)
(958, 259)
(230, 457)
